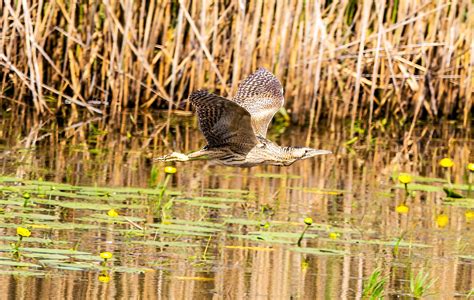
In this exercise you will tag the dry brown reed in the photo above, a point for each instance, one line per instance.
(361, 60)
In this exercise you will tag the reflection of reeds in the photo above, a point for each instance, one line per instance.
(335, 59)
(362, 210)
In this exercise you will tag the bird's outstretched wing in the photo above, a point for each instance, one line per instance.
(261, 94)
(223, 122)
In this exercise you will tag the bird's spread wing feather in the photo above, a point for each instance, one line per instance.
(261, 94)
(223, 122)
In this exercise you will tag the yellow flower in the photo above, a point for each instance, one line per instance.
(442, 220)
(106, 255)
(446, 162)
(104, 278)
(402, 209)
(334, 235)
(404, 178)
(265, 225)
(112, 213)
(470, 167)
(308, 221)
(469, 215)
(23, 232)
(26, 195)
(170, 170)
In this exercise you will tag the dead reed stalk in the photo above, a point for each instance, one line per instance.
(360, 60)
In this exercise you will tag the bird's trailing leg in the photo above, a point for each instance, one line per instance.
(176, 156)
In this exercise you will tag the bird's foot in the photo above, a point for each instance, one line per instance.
(175, 156)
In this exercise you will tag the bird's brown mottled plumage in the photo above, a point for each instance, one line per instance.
(223, 122)
(235, 130)
(261, 94)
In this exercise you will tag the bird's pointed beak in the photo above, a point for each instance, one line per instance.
(314, 152)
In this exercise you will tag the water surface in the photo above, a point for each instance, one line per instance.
(221, 232)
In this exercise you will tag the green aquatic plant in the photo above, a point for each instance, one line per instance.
(26, 197)
(153, 180)
(308, 222)
(397, 244)
(194, 233)
(374, 286)
(166, 211)
(334, 235)
(112, 213)
(320, 251)
(264, 225)
(106, 255)
(450, 193)
(169, 170)
(420, 284)
(21, 233)
(447, 163)
(104, 275)
(404, 179)
(266, 212)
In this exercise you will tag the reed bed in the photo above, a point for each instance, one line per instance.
(356, 60)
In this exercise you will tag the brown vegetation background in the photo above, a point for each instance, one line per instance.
(361, 60)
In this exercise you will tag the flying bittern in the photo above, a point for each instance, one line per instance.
(235, 130)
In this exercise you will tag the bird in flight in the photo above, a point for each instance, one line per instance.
(236, 129)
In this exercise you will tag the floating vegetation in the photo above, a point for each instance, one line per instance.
(331, 192)
(433, 185)
(189, 230)
(83, 208)
(320, 251)
(249, 248)
(308, 222)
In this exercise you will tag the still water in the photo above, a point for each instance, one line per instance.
(91, 186)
